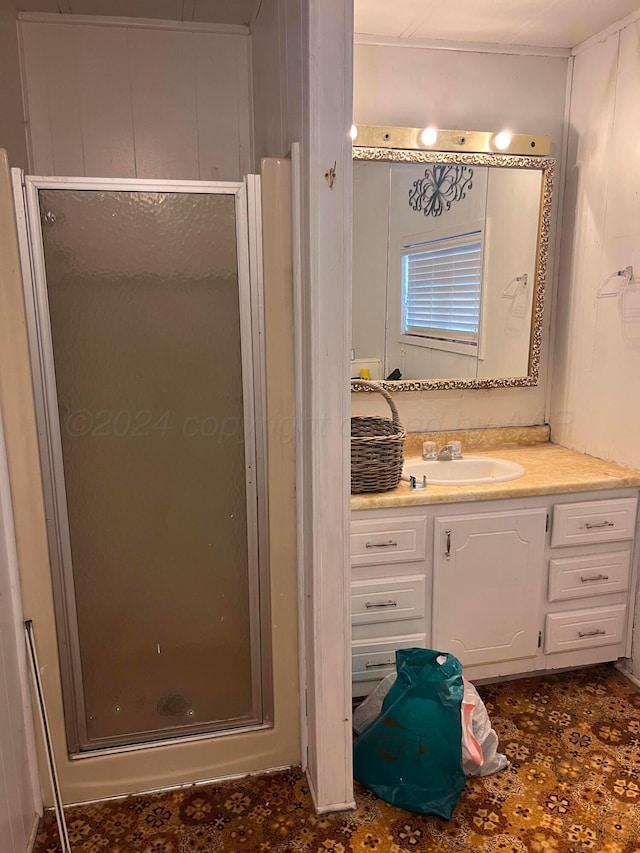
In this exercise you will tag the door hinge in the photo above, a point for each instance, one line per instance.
(539, 639)
(546, 527)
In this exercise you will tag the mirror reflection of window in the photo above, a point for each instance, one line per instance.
(441, 284)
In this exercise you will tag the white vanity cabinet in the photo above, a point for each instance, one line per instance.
(390, 600)
(486, 574)
(589, 580)
(508, 586)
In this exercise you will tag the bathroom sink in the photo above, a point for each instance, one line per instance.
(468, 471)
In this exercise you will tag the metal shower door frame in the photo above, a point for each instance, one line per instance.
(251, 312)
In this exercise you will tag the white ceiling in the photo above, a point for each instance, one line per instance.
(540, 23)
(208, 11)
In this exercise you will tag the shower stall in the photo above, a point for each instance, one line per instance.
(144, 308)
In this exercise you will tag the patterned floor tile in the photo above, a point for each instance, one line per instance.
(573, 786)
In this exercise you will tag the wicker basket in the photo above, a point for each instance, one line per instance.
(377, 446)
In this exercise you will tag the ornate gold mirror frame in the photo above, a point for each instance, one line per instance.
(405, 145)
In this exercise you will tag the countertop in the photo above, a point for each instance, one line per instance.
(550, 469)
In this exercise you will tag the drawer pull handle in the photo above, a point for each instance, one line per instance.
(594, 578)
(370, 605)
(447, 551)
(599, 524)
(370, 665)
(597, 633)
(390, 543)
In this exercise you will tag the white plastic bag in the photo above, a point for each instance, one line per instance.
(369, 709)
(479, 741)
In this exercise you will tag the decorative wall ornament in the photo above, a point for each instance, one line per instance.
(440, 187)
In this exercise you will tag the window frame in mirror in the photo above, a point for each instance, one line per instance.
(543, 164)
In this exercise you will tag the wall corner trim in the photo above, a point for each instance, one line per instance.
(603, 35)
(461, 46)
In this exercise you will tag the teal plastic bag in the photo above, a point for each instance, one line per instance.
(411, 755)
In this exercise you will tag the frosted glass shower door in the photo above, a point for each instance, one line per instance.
(145, 333)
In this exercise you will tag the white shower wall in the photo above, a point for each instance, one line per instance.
(12, 129)
(109, 100)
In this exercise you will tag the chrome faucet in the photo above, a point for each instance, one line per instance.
(449, 451)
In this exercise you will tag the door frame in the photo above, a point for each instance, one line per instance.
(322, 290)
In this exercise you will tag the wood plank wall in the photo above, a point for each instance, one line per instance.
(115, 101)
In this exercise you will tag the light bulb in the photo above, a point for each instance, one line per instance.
(502, 140)
(353, 133)
(428, 136)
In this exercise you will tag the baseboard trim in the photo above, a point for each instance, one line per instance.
(166, 789)
(31, 841)
(621, 666)
(332, 807)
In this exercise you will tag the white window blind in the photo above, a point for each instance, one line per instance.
(441, 289)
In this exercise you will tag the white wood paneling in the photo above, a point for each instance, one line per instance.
(47, 6)
(171, 9)
(124, 101)
(234, 12)
(37, 99)
(596, 364)
(479, 91)
(269, 96)
(296, 52)
(105, 104)
(163, 97)
(616, 351)
(325, 355)
(370, 249)
(12, 129)
(574, 403)
(223, 110)
(301, 59)
(54, 127)
(224, 11)
(278, 86)
(597, 352)
(459, 89)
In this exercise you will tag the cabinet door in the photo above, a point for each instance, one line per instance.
(487, 585)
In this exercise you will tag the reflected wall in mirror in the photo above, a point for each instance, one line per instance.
(449, 267)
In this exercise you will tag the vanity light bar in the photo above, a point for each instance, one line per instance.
(473, 141)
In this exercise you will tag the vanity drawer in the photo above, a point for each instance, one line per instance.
(593, 521)
(386, 540)
(373, 659)
(584, 629)
(388, 599)
(579, 577)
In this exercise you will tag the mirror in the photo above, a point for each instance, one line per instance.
(449, 266)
